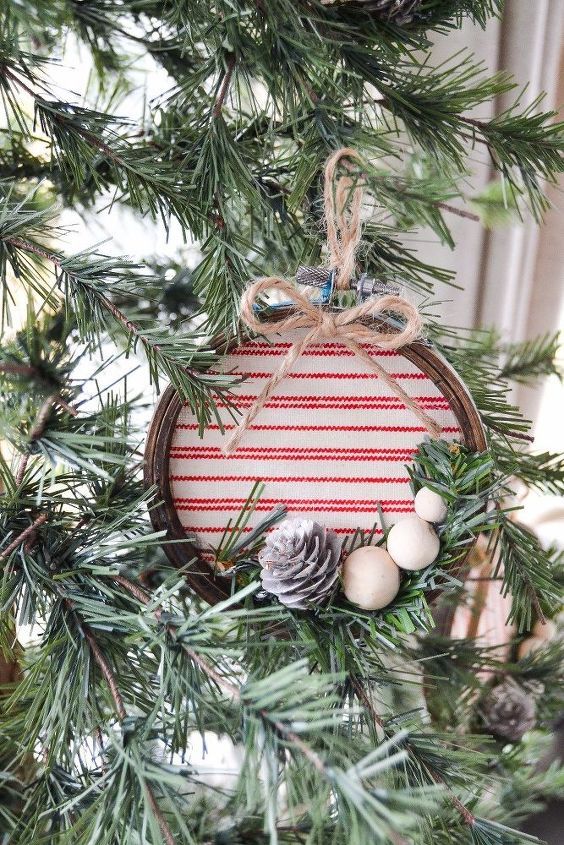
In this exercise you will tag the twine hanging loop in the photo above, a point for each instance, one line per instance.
(342, 205)
(350, 326)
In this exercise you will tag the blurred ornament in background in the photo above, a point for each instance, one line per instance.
(398, 12)
(509, 711)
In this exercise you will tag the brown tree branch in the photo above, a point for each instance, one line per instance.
(89, 137)
(469, 819)
(222, 93)
(21, 538)
(53, 258)
(459, 212)
(39, 428)
(157, 812)
(11, 368)
(221, 682)
(107, 672)
(518, 435)
(131, 327)
(471, 122)
(8, 74)
(111, 680)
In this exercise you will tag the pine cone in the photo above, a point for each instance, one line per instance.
(399, 12)
(300, 563)
(509, 711)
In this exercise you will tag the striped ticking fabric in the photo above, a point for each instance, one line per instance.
(331, 443)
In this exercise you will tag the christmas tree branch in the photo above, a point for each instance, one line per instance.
(25, 535)
(527, 572)
(543, 471)
(10, 368)
(458, 212)
(531, 359)
(233, 691)
(362, 694)
(113, 686)
(162, 822)
(224, 88)
(106, 671)
(336, 779)
(246, 106)
(39, 428)
(169, 355)
(508, 432)
(78, 135)
(58, 262)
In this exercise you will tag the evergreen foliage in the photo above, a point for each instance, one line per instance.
(127, 670)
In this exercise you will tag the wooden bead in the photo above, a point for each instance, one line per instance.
(544, 632)
(413, 543)
(370, 578)
(430, 506)
(528, 646)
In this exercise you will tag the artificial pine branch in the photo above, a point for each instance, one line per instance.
(532, 359)
(112, 683)
(222, 683)
(232, 148)
(25, 534)
(86, 277)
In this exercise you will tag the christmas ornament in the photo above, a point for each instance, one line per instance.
(398, 12)
(413, 543)
(300, 563)
(509, 711)
(430, 506)
(334, 404)
(371, 579)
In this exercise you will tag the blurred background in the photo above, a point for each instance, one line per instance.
(513, 276)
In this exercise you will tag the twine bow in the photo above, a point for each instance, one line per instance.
(343, 235)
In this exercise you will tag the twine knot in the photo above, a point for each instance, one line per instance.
(327, 326)
(352, 326)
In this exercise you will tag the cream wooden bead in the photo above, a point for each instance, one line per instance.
(528, 646)
(413, 543)
(430, 506)
(370, 578)
(544, 632)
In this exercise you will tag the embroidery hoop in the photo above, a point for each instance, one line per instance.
(181, 550)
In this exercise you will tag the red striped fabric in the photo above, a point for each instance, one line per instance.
(447, 429)
(304, 479)
(323, 350)
(269, 453)
(350, 403)
(342, 376)
(201, 530)
(332, 443)
(335, 505)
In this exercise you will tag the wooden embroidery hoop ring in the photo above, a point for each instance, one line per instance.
(200, 576)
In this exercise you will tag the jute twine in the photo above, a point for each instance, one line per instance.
(342, 212)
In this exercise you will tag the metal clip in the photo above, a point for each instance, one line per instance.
(320, 277)
(367, 287)
(317, 277)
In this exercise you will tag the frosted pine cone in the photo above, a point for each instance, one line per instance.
(300, 563)
(509, 711)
